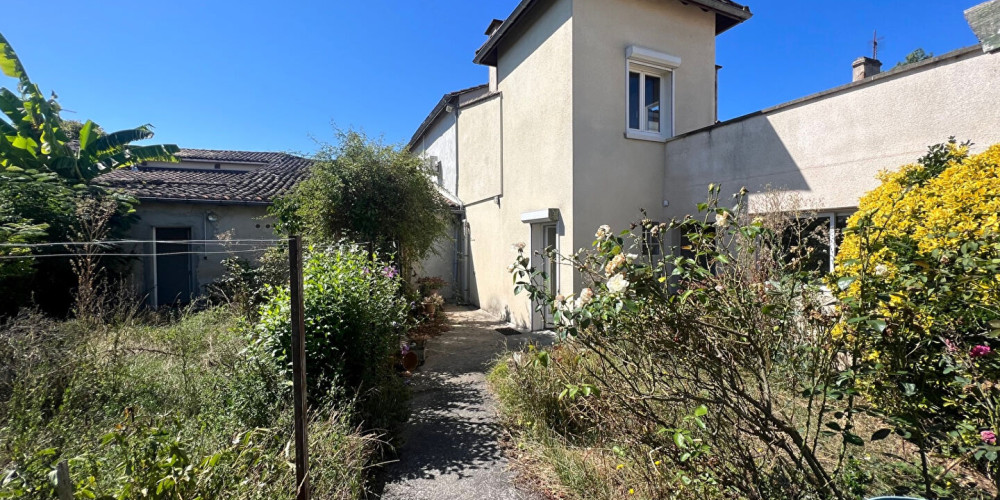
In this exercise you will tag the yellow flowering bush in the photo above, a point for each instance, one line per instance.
(918, 281)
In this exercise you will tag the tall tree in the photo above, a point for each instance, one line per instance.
(914, 57)
(372, 193)
(45, 171)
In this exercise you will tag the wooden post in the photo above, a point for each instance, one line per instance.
(64, 486)
(298, 349)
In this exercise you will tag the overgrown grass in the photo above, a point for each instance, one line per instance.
(187, 408)
(579, 447)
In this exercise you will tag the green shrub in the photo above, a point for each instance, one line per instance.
(918, 276)
(371, 192)
(736, 323)
(355, 317)
(245, 283)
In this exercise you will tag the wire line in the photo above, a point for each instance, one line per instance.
(51, 255)
(118, 242)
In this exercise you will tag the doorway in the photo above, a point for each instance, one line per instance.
(550, 239)
(172, 266)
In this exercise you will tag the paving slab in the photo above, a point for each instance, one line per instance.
(450, 445)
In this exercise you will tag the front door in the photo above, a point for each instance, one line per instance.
(173, 266)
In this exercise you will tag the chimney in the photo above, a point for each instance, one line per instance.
(866, 67)
(494, 26)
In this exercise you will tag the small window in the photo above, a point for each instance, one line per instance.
(649, 94)
(650, 243)
(645, 103)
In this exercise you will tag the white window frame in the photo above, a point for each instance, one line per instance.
(847, 212)
(648, 62)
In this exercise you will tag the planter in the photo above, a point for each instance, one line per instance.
(418, 349)
(429, 309)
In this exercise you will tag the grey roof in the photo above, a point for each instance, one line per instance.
(727, 14)
(254, 186)
(458, 97)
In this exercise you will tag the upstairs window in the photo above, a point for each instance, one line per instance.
(649, 94)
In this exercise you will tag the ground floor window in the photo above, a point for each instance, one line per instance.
(821, 234)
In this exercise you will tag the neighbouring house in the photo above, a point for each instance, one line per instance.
(194, 209)
(595, 109)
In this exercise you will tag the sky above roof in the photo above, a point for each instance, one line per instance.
(277, 76)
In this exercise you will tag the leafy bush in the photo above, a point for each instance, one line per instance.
(245, 284)
(718, 371)
(370, 192)
(355, 318)
(917, 277)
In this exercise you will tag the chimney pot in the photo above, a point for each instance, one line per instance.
(866, 67)
(494, 26)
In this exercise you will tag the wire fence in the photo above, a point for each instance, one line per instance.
(95, 248)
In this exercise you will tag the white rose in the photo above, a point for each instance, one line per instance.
(881, 269)
(603, 232)
(722, 220)
(617, 284)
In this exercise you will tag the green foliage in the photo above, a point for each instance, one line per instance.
(369, 192)
(355, 318)
(32, 137)
(918, 275)
(245, 284)
(739, 322)
(914, 57)
(181, 409)
(47, 165)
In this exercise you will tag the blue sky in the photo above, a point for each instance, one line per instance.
(274, 75)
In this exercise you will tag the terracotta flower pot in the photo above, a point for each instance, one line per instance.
(429, 308)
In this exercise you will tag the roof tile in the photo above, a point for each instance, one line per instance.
(280, 172)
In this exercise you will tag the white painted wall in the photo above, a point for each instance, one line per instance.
(828, 148)
(441, 140)
(518, 145)
(613, 176)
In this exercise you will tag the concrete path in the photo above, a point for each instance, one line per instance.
(450, 448)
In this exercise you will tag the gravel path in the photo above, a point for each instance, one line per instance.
(450, 448)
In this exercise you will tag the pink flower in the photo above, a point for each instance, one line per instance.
(950, 346)
(989, 437)
(980, 351)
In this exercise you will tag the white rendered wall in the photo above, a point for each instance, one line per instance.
(829, 148)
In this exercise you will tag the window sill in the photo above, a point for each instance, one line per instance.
(645, 136)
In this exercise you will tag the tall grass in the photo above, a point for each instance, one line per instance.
(592, 448)
(181, 408)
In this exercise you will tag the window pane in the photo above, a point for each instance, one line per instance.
(652, 103)
(633, 100)
(841, 226)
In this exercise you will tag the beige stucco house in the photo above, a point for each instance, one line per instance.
(596, 109)
(194, 210)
